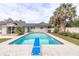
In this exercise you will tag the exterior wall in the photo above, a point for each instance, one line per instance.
(69, 29)
(0, 29)
(26, 29)
(73, 29)
(51, 29)
(4, 29)
(38, 29)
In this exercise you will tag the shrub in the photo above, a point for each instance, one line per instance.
(55, 31)
(61, 33)
(73, 35)
(64, 33)
(77, 36)
(20, 30)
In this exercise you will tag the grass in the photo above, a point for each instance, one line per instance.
(4, 39)
(73, 40)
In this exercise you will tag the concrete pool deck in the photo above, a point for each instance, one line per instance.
(65, 49)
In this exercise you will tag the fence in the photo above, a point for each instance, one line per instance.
(69, 29)
(73, 29)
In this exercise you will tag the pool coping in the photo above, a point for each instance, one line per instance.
(61, 40)
(13, 39)
(57, 38)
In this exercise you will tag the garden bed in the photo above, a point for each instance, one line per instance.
(68, 38)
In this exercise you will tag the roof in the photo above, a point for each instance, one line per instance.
(42, 24)
(18, 23)
(23, 23)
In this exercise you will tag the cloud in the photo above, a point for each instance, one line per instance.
(29, 12)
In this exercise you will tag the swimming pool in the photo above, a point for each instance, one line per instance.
(30, 38)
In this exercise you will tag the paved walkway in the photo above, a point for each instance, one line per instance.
(67, 49)
(9, 36)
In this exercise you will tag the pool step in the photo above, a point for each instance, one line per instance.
(36, 51)
(36, 47)
(36, 42)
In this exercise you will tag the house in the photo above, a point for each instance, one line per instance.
(37, 27)
(9, 26)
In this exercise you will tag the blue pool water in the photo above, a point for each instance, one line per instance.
(30, 38)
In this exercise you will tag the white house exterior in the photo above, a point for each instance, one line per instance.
(37, 27)
(9, 26)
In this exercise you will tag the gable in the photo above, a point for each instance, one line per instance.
(11, 24)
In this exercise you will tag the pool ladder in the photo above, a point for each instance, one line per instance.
(36, 47)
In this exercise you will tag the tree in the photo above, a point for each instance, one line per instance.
(56, 23)
(75, 23)
(63, 13)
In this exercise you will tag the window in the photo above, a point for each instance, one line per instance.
(32, 27)
(13, 29)
(41, 27)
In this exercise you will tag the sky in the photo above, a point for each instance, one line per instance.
(29, 12)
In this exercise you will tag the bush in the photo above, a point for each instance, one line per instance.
(20, 30)
(73, 35)
(77, 36)
(61, 33)
(64, 33)
(55, 31)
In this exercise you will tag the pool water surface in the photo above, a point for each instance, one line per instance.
(30, 38)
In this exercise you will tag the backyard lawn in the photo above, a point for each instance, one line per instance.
(73, 40)
(4, 39)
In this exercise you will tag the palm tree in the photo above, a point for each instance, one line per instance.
(54, 21)
(63, 13)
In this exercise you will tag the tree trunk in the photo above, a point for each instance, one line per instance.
(62, 28)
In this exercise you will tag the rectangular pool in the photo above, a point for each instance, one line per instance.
(30, 38)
